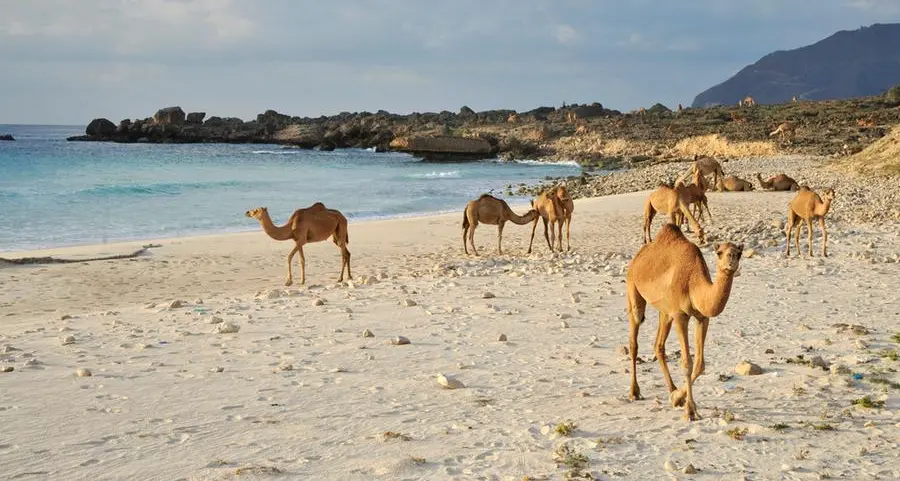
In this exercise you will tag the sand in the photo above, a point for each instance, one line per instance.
(298, 391)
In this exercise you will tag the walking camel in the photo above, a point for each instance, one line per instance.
(671, 274)
(808, 206)
(552, 212)
(705, 165)
(312, 224)
(669, 200)
(488, 209)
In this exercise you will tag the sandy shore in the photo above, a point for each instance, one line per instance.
(299, 393)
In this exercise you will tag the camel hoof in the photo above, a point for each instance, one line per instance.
(677, 398)
(636, 395)
(690, 413)
(288, 282)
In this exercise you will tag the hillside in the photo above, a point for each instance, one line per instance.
(847, 64)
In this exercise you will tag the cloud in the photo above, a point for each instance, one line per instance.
(566, 35)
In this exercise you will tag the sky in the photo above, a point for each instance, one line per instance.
(69, 61)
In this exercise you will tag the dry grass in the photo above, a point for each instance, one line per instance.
(592, 143)
(715, 145)
(882, 156)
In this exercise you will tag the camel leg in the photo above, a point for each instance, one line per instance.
(649, 213)
(681, 328)
(302, 265)
(706, 204)
(546, 235)
(559, 228)
(290, 260)
(345, 262)
(500, 237)
(789, 229)
(636, 308)
(699, 341)
(662, 333)
(569, 232)
(465, 244)
(533, 228)
(809, 237)
(472, 238)
(824, 237)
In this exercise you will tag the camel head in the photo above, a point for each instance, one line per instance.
(257, 213)
(562, 193)
(728, 257)
(827, 195)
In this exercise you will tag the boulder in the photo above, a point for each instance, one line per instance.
(124, 126)
(306, 136)
(6, 137)
(443, 147)
(169, 116)
(100, 128)
(466, 111)
(195, 118)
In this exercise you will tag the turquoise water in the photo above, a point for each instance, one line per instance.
(57, 193)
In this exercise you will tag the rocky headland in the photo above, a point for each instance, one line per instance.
(6, 137)
(593, 135)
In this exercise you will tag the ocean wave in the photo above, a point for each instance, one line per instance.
(567, 163)
(277, 152)
(451, 174)
(156, 189)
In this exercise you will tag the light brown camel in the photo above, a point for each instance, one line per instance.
(786, 129)
(706, 165)
(694, 196)
(671, 274)
(568, 205)
(808, 206)
(733, 183)
(794, 99)
(553, 213)
(571, 117)
(669, 200)
(513, 118)
(488, 209)
(312, 224)
(778, 182)
(747, 102)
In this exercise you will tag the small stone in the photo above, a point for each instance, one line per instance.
(399, 341)
(817, 361)
(227, 328)
(408, 303)
(367, 333)
(7, 369)
(747, 368)
(861, 344)
(31, 363)
(622, 351)
(770, 351)
(285, 366)
(217, 369)
(689, 469)
(838, 369)
(869, 424)
(176, 304)
(65, 341)
(318, 302)
(669, 466)
(449, 382)
(575, 298)
(65, 317)
(501, 338)
(487, 295)
(83, 372)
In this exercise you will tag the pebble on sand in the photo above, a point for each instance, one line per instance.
(747, 368)
(487, 295)
(285, 366)
(399, 341)
(449, 382)
(318, 302)
(227, 328)
(83, 372)
(689, 469)
(65, 341)
(368, 333)
(408, 303)
(501, 338)
(7, 369)
(176, 304)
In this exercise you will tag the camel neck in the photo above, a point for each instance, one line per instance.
(710, 297)
(823, 208)
(276, 232)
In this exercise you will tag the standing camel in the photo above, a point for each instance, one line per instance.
(312, 224)
(568, 205)
(808, 206)
(671, 274)
(552, 211)
(705, 165)
(670, 200)
(786, 129)
(488, 209)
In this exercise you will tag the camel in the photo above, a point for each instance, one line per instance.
(794, 99)
(670, 200)
(488, 209)
(733, 183)
(312, 224)
(748, 102)
(568, 205)
(808, 206)
(513, 118)
(778, 182)
(571, 117)
(694, 196)
(552, 211)
(680, 108)
(706, 165)
(786, 129)
(671, 274)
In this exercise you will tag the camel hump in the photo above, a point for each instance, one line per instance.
(669, 231)
(487, 196)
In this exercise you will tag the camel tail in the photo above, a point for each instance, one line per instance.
(465, 224)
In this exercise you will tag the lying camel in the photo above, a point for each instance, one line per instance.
(312, 224)
(672, 275)
(733, 183)
(778, 182)
(706, 165)
(552, 211)
(786, 129)
(808, 206)
(669, 200)
(488, 209)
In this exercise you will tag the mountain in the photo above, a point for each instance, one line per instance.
(853, 63)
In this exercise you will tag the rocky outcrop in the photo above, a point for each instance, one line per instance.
(443, 148)
(169, 116)
(100, 128)
(195, 118)
(6, 137)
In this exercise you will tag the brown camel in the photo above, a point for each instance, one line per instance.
(552, 212)
(694, 196)
(568, 205)
(312, 224)
(786, 129)
(488, 209)
(669, 200)
(706, 165)
(778, 182)
(671, 274)
(513, 118)
(808, 206)
(733, 183)
(747, 102)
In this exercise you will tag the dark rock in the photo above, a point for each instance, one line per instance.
(169, 116)
(326, 146)
(6, 137)
(100, 128)
(195, 118)
(466, 111)
(124, 125)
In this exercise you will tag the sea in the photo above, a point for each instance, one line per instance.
(55, 193)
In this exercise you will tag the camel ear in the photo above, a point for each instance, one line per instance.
(717, 247)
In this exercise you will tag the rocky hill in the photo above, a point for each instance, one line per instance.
(847, 64)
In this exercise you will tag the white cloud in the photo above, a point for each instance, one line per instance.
(888, 7)
(635, 40)
(566, 34)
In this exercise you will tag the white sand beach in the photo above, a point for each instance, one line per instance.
(298, 392)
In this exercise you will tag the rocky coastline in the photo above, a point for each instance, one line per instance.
(592, 135)
(6, 137)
